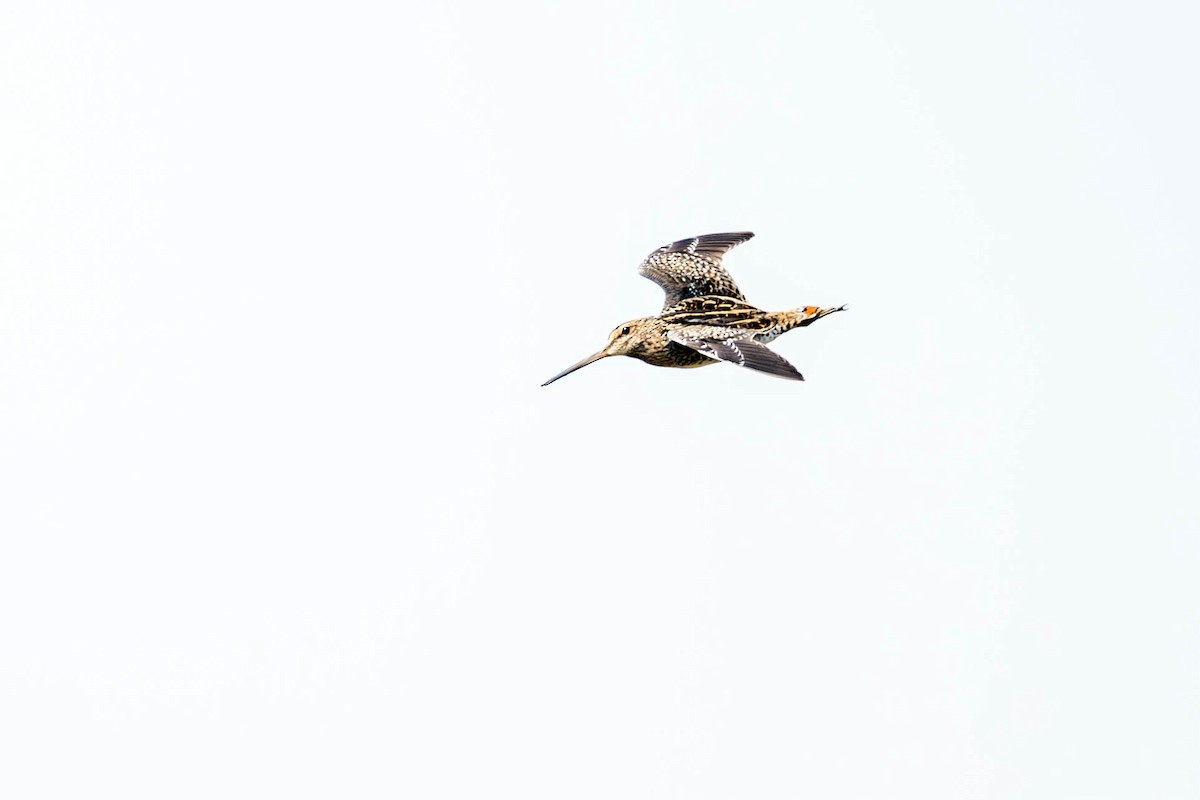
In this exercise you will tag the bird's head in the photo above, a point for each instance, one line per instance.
(628, 339)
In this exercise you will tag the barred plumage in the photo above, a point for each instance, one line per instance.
(705, 316)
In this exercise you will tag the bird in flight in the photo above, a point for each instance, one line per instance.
(705, 318)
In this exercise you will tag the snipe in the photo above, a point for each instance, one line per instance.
(705, 318)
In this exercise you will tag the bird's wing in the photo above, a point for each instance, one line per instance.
(736, 347)
(692, 267)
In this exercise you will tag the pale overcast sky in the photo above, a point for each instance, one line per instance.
(286, 512)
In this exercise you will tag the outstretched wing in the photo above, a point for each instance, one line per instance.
(735, 346)
(692, 267)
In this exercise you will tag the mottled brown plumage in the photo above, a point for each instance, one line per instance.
(705, 316)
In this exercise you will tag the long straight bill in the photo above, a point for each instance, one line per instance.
(574, 367)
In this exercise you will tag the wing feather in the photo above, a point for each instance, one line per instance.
(736, 347)
(692, 267)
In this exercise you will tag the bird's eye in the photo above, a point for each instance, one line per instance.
(625, 331)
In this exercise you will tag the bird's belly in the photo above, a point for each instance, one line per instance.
(769, 335)
(677, 355)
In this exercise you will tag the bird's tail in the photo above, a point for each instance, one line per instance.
(810, 314)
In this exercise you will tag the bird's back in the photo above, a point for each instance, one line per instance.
(715, 310)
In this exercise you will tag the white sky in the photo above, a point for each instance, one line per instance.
(287, 514)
